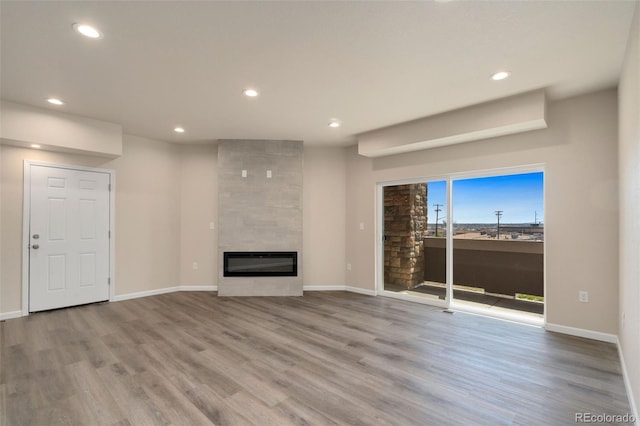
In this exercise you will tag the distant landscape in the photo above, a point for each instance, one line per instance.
(519, 199)
(480, 203)
(489, 231)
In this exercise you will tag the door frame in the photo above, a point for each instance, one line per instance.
(26, 219)
(380, 242)
(449, 302)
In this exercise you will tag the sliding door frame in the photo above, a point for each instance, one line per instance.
(449, 303)
(380, 243)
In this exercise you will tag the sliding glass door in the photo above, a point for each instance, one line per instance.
(415, 239)
(474, 243)
(499, 243)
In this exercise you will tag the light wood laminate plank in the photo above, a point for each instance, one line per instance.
(328, 358)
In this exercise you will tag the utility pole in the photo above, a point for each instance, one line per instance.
(438, 210)
(499, 215)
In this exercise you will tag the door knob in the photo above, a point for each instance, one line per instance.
(35, 246)
(36, 236)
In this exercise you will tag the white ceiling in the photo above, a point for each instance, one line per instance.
(369, 64)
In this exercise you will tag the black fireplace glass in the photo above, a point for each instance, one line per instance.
(260, 264)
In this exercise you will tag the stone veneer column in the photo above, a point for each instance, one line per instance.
(405, 227)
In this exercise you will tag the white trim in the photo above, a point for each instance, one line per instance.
(121, 297)
(627, 385)
(10, 315)
(515, 316)
(544, 243)
(379, 240)
(112, 240)
(324, 288)
(437, 303)
(347, 288)
(500, 171)
(359, 290)
(26, 210)
(157, 291)
(196, 287)
(580, 332)
(448, 294)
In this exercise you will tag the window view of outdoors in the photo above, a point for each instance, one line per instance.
(499, 208)
(498, 234)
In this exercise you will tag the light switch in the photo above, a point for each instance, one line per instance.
(244, 173)
(362, 226)
(269, 174)
(212, 225)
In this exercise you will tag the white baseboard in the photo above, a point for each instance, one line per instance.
(196, 287)
(580, 332)
(155, 292)
(340, 288)
(361, 291)
(627, 385)
(10, 315)
(324, 288)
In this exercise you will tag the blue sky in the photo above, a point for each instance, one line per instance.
(476, 200)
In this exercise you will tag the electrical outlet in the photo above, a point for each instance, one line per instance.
(195, 265)
(348, 266)
(583, 296)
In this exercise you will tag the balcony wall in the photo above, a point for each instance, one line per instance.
(501, 267)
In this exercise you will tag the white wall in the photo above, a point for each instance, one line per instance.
(166, 196)
(23, 125)
(581, 218)
(629, 159)
(11, 189)
(324, 199)
(198, 208)
(147, 215)
(324, 206)
(506, 116)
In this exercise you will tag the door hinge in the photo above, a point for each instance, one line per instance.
(109, 232)
(109, 187)
(109, 280)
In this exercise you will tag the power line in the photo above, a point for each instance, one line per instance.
(499, 215)
(437, 210)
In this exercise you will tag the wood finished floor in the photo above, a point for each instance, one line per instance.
(323, 359)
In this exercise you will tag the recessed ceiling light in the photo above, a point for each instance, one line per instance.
(55, 101)
(500, 75)
(334, 123)
(178, 130)
(35, 145)
(87, 30)
(252, 93)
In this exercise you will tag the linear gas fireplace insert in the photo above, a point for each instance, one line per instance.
(260, 264)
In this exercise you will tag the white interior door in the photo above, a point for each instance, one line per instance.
(68, 237)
